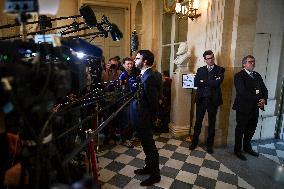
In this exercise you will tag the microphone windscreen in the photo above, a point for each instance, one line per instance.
(88, 14)
(134, 41)
(115, 33)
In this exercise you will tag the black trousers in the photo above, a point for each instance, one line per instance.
(201, 107)
(142, 120)
(246, 125)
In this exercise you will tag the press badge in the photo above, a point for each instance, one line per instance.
(256, 91)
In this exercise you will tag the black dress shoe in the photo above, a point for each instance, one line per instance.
(142, 171)
(210, 150)
(241, 156)
(192, 147)
(251, 152)
(151, 180)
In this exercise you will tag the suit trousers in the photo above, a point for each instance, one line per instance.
(142, 120)
(246, 125)
(201, 107)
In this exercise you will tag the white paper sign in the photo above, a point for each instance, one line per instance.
(188, 81)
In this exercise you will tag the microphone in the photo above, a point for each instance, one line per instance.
(115, 33)
(134, 41)
(88, 14)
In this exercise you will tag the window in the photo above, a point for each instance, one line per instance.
(174, 31)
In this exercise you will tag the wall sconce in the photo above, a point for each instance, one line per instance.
(183, 8)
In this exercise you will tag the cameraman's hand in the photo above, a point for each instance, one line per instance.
(261, 103)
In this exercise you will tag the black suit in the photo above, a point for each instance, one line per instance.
(143, 112)
(249, 90)
(208, 97)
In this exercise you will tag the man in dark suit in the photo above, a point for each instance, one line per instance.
(208, 80)
(144, 112)
(251, 95)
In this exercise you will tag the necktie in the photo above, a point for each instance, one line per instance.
(210, 68)
(251, 75)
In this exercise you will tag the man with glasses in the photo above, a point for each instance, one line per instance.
(251, 95)
(208, 80)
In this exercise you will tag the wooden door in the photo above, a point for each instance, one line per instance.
(111, 48)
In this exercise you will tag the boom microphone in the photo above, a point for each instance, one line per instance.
(85, 11)
(88, 14)
(115, 33)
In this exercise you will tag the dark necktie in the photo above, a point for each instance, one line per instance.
(251, 75)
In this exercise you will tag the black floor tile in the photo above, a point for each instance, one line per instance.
(141, 177)
(139, 163)
(266, 151)
(163, 160)
(132, 152)
(179, 156)
(211, 164)
(279, 147)
(228, 178)
(119, 180)
(191, 168)
(111, 155)
(205, 182)
(169, 172)
(115, 166)
(180, 185)
(170, 147)
(198, 153)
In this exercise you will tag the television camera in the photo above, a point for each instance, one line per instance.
(46, 97)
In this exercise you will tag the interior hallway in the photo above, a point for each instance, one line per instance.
(182, 168)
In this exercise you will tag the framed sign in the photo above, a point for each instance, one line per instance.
(188, 81)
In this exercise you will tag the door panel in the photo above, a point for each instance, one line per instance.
(117, 16)
(261, 53)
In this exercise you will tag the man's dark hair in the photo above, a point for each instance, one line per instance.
(244, 60)
(166, 73)
(127, 59)
(208, 52)
(147, 55)
(113, 58)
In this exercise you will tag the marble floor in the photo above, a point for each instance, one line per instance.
(182, 168)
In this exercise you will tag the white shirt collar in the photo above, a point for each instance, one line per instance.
(210, 66)
(144, 70)
(248, 72)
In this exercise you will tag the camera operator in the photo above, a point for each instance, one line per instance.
(111, 73)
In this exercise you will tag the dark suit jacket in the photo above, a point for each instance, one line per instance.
(209, 84)
(145, 110)
(151, 91)
(248, 91)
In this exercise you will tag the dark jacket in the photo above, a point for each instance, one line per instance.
(248, 91)
(208, 84)
(151, 91)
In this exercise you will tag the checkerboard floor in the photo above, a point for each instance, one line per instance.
(180, 167)
(271, 149)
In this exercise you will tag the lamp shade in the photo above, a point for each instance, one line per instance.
(195, 4)
(178, 7)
